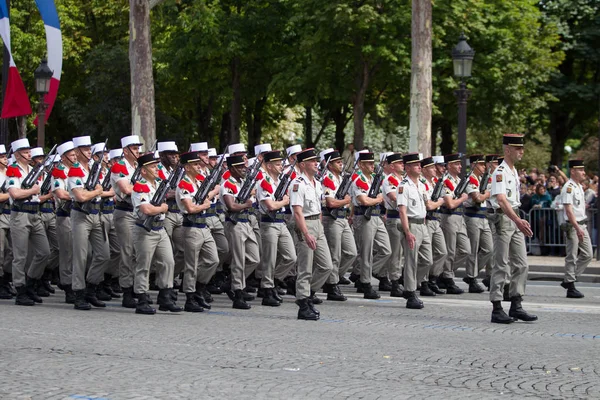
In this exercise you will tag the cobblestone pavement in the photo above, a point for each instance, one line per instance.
(360, 349)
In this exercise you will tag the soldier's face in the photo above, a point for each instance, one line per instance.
(70, 156)
(212, 161)
(368, 166)
(172, 158)
(577, 174)
(37, 160)
(440, 168)
(151, 170)
(429, 171)
(275, 166)
(24, 154)
(413, 169)
(85, 151)
(516, 153)
(134, 150)
(336, 166)
(311, 166)
(239, 170)
(480, 167)
(398, 168)
(203, 155)
(455, 168)
(3, 159)
(196, 167)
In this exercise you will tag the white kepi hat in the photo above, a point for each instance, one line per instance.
(20, 144)
(383, 156)
(2, 149)
(293, 149)
(212, 152)
(199, 147)
(81, 141)
(99, 148)
(262, 148)
(237, 148)
(438, 159)
(322, 154)
(130, 141)
(167, 146)
(114, 153)
(63, 148)
(37, 152)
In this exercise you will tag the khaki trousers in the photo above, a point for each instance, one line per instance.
(482, 245)
(65, 249)
(457, 243)
(342, 247)
(417, 260)
(25, 230)
(124, 224)
(278, 252)
(174, 228)
(5, 244)
(245, 253)
(394, 230)
(371, 238)
(112, 267)
(218, 233)
(438, 247)
(511, 259)
(88, 229)
(314, 266)
(258, 271)
(492, 261)
(200, 255)
(579, 254)
(152, 247)
(49, 221)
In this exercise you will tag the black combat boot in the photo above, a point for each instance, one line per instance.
(474, 287)
(90, 295)
(214, 285)
(412, 301)
(354, 277)
(69, 294)
(239, 302)
(434, 287)
(46, 278)
(486, 282)
(451, 287)
(370, 293)
(397, 289)
(9, 283)
(152, 280)
(498, 314)
(426, 290)
(506, 292)
(5, 293)
(129, 301)
(441, 283)
(344, 281)
(247, 295)
(290, 283)
(108, 287)
(200, 299)
(191, 305)
(572, 292)
(165, 303)
(142, 305)
(202, 288)
(384, 283)
(101, 293)
(334, 293)
(311, 305)
(40, 289)
(314, 299)
(114, 285)
(305, 312)
(80, 301)
(31, 286)
(22, 298)
(269, 298)
(516, 311)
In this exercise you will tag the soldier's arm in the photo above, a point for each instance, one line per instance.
(125, 186)
(331, 202)
(20, 194)
(478, 197)
(365, 200)
(233, 206)
(62, 194)
(151, 210)
(522, 224)
(452, 203)
(4, 197)
(434, 205)
(192, 208)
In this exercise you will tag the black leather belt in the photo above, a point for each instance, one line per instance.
(431, 217)
(194, 220)
(392, 214)
(360, 210)
(476, 212)
(455, 211)
(123, 206)
(94, 207)
(313, 217)
(277, 220)
(338, 213)
(418, 221)
(27, 207)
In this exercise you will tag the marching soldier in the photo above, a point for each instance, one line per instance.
(453, 224)
(416, 240)
(44, 288)
(121, 176)
(478, 227)
(277, 247)
(63, 203)
(392, 220)
(491, 161)
(340, 238)
(26, 227)
(511, 252)
(87, 228)
(292, 153)
(314, 259)
(200, 250)
(243, 245)
(371, 236)
(438, 242)
(579, 245)
(153, 245)
(6, 268)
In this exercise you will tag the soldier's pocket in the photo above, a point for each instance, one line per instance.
(299, 234)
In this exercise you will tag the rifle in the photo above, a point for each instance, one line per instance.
(247, 187)
(209, 183)
(374, 190)
(285, 179)
(321, 172)
(95, 171)
(344, 186)
(47, 180)
(483, 183)
(462, 186)
(437, 189)
(161, 194)
(33, 175)
(106, 184)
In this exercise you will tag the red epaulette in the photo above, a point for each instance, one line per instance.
(161, 175)
(266, 186)
(13, 172)
(200, 177)
(259, 176)
(473, 180)
(231, 187)
(393, 181)
(328, 183)
(185, 185)
(293, 175)
(449, 184)
(119, 168)
(76, 171)
(140, 187)
(226, 175)
(362, 184)
(59, 173)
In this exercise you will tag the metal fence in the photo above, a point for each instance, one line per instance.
(548, 238)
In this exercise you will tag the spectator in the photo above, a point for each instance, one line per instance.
(541, 179)
(552, 186)
(589, 194)
(348, 157)
(541, 199)
(525, 198)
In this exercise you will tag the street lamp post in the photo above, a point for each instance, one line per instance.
(462, 57)
(42, 76)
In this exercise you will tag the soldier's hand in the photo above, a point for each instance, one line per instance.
(580, 233)
(98, 188)
(248, 203)
(164, 208)
(36, 189)
(524, 227)
(311, 242)
(464, 196)
(379, 198)
(206, 202)
(286, 200)
(411, 240)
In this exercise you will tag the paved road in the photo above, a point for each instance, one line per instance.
(360, 349)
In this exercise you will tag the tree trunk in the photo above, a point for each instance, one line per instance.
(308, 128)
(559, 132)
(204, 118)
(236, 102)
(143, 122)
(339, 118)
(447, 143)
(224, 137)
(22, 127)
(421, 85)
(255, 129)
(433, 140)
(358, 102)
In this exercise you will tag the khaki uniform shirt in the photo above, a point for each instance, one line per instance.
(15, 175)
(413, 197)
(142, 193)
(121, 170)
(306, 194)
(505, 181)
(572, 193)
